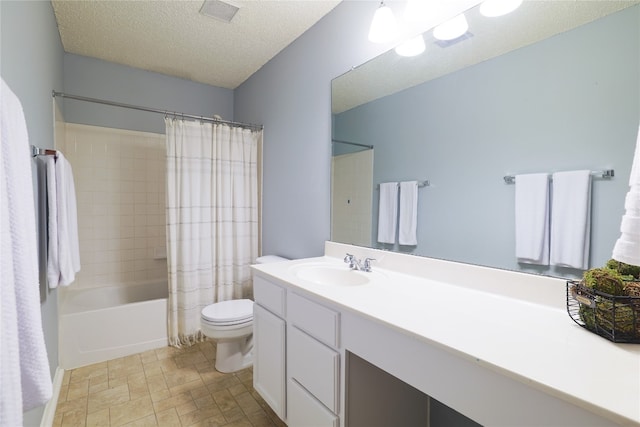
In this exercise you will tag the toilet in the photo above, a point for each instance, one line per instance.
(230, 324)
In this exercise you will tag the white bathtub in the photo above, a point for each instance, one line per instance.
(105, 323)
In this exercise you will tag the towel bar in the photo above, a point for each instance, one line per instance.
(36, 151)
(607, 173)
(424, 183)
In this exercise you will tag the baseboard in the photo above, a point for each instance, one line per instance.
(50, 407)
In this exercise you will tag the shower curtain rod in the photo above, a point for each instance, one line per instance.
(155, 110)
(352, 143)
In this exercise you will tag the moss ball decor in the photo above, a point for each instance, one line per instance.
(624, 269)
(607, 301)
(604, 280)
(624, 316)
(632, 289)
(587, 316)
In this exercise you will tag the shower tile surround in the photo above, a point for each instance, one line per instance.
(120, 188)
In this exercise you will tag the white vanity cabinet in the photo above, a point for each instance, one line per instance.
(269, 331)
(380, 354)
(313, 363)
(296, 356)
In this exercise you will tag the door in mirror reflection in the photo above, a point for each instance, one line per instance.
(351, 197)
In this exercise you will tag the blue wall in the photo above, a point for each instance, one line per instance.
(94, 78)
(568, 102)
(291, 96)
(32, 67)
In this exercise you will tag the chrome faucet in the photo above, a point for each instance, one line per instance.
(367, 264)
(353, 262)
(356, 264)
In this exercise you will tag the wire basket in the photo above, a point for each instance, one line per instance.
(616, 318)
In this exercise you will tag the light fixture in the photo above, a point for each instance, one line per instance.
(493, 8)
(411, 47)
(416, 11)
(383, 27)
(452, 29)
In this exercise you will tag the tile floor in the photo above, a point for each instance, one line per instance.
(162, 387)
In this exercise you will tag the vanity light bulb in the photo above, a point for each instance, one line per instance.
(383, 27)
(452, 29)
(493, 8)
(411, 47)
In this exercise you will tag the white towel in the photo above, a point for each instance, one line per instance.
(68, 243)
(408, 213)
(63, 258)
(388, 212)
(25, 379)
(571, 219)
(53, 264)
(627, 247)
(532, 218)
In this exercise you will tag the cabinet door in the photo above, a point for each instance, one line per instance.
(306, 411)
(269, 358)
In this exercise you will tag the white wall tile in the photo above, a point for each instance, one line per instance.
(120, 203)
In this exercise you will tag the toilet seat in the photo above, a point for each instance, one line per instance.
(228, 313)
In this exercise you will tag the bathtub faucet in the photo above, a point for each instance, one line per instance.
(356, 264)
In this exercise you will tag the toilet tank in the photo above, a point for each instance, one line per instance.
(265, 259)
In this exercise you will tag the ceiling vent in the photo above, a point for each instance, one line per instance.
(219, 10)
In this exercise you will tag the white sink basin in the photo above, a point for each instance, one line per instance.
(332, 275)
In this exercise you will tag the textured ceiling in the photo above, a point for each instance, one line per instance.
(172, 37)
(535, 20)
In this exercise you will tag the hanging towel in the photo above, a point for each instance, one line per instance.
(388, 212)
(25, 379)
(63, 260)
(53, 264)
(408, 213)
(571, 219)
(532, 218)
(627, 247)
(68, 242)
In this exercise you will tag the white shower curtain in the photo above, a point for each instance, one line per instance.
(212, 219)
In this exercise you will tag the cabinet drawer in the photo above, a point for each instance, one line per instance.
(269, 295)
(315, 366)
(315, 319)
(307, 411)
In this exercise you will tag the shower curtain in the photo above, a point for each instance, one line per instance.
(212, 219)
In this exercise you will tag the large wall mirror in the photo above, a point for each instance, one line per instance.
(553, 86)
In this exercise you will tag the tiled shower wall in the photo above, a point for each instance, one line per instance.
(120, 188)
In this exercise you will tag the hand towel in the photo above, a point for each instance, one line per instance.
(53, 264)
(532, 218)
(408, 222)
(571, 219)
(63, 257)
(25, 379)
(388, 212)
(627, 247)
(68, 244)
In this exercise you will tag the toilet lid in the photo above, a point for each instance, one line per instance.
(229, 311)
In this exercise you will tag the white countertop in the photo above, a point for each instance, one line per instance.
(500, 322)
